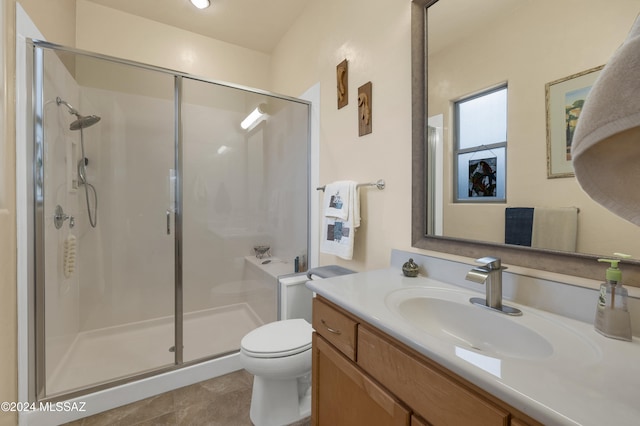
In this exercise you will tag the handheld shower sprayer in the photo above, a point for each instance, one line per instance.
(82, 170)
(81, 123)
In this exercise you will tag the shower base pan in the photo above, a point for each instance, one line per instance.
(106, 354)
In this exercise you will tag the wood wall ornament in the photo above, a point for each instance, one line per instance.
(342, 79)
(364, 109)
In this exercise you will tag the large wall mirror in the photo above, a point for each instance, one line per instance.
(546, 53)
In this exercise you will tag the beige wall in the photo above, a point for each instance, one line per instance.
(110, 32)
(95, 28)
(374, 36)
(56, 19)
(8, 311)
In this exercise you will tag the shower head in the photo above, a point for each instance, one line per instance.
(82, 121)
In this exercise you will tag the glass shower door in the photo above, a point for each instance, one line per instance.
(108, 282)
(243, 185)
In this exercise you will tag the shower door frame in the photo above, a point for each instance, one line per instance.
(35, 232)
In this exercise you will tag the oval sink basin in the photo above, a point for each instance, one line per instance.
(448, 314)
(474, 327)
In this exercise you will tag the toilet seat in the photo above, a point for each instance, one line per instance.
(278, 339)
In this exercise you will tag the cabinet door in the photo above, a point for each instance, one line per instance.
(417, 421)
(344, 396)
(436, 397)
(518, 422)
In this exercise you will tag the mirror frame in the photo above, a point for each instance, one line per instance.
(576, 264)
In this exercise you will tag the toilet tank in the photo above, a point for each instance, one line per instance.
(294, 298)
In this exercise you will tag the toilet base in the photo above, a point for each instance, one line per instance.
(280, 402)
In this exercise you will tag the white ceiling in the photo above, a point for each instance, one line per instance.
(254, 24)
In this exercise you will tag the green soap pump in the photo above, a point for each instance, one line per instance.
(612, 316)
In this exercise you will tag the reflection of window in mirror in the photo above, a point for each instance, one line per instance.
(435, 173)
(481, 146)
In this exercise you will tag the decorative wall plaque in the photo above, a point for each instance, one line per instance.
(342, 80)
(364, 109)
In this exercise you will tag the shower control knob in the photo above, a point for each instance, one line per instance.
(59, 217)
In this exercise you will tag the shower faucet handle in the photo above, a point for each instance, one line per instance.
(59, 216)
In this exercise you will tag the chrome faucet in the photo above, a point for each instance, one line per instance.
(490, 274)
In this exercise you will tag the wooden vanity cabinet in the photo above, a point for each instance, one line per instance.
(361, 376)
(431, 394)
(347, 396)
(336, 326)
(417, 421)
(344, 396)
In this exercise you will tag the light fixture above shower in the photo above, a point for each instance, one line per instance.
(254, 117)
(201, 4)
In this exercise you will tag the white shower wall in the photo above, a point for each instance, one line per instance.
(128, 274)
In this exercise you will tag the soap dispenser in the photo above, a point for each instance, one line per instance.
(612, 316)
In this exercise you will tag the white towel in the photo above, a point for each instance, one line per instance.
(605, 142)
(555, 228)
(341, 217)
(337, 197)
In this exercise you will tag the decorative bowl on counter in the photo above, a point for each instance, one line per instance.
(262, 251)
(410, 269)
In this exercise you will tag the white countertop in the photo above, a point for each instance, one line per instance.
(598, 386)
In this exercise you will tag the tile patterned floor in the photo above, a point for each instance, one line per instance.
(223, 401)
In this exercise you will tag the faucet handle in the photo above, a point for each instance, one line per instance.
(490, 262)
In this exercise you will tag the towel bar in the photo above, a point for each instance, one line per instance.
(380, 184)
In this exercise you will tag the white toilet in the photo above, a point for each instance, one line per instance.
(278, 354)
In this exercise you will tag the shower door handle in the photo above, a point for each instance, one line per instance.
(168, 222)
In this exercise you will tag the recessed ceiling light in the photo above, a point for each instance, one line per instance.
(201, 4)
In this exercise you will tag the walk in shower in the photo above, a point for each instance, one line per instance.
(148, 197)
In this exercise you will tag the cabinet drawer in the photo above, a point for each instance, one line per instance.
(434, 396)
(336, 327)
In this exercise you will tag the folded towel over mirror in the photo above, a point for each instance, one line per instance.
(555, 228)
(542, 227)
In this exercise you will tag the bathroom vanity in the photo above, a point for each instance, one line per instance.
(363, 376)
(392, 350)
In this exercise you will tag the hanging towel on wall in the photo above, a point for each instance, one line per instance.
(337, 199)
(340, 218)
(555, 228)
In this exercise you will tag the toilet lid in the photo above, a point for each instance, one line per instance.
(278, 339)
